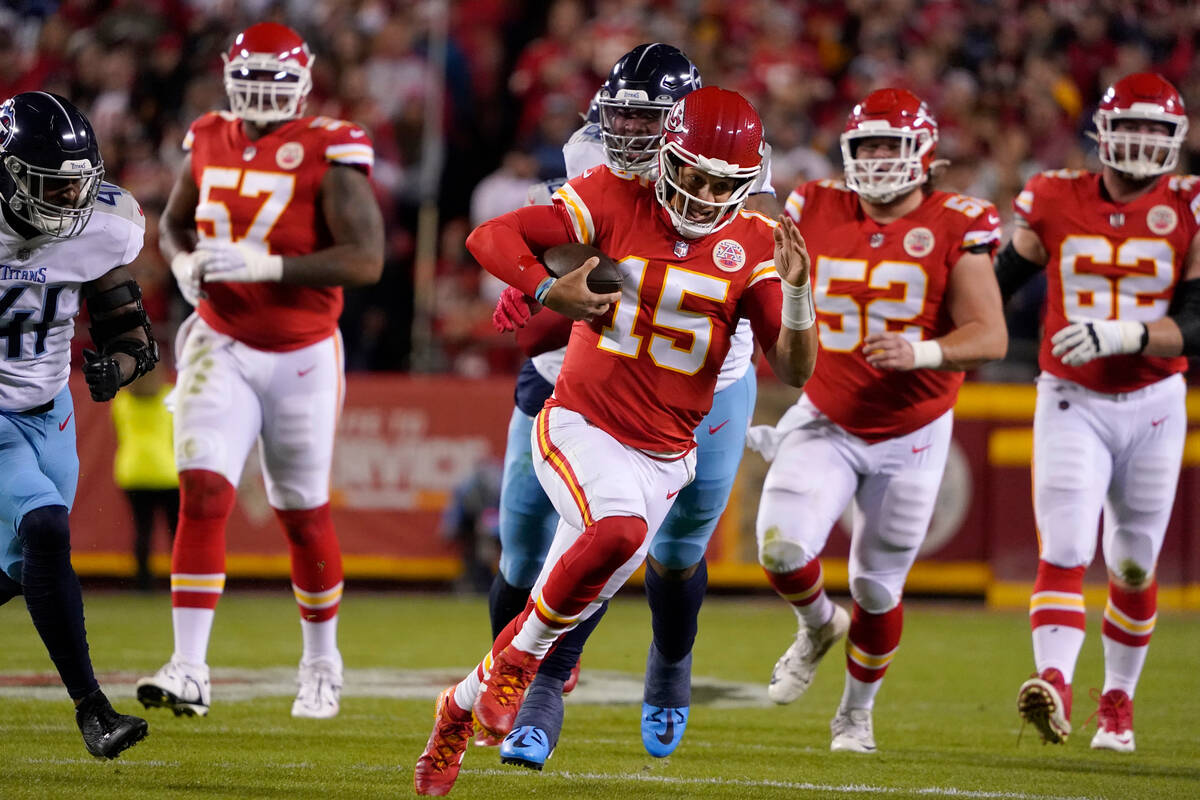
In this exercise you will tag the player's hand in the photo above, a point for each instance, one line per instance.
(237, 262)
(571, 297)
(1086, 340)
(188, 276)
(513, 310)
(888, 351)
(791, 254)
(102, 374)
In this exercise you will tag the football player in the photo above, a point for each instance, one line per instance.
(906, 301)
(1110, 422)
(615, 442)
(271, 215)
(64, 237)
(623, 132)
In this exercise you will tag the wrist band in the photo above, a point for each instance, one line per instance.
(926, 354)
(1145, 338)
(543, 288)
(797, 313)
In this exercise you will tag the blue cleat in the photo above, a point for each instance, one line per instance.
(527, 746)
(662, 728)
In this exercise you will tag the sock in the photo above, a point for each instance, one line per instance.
(565, 655)
(316, 578)
(675, 610)
(543, 707)
(505, 601)
(1056, 614)
(804, 589)
(871, 644)
(53, 596)
(198, 560)
(1128, 624)
(8, 588)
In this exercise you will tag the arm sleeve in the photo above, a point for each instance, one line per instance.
(509, 245)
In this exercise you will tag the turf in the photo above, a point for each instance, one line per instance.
(945, 721)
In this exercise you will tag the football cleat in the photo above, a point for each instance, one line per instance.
(107, 734)
(662, 728)
(1044, 701)
(503, 690)
(183, 688)
(1115, 723)
(852, 733)
(794, 670)
(320, 689)
(526, 746)
(485, 739)
(572, 680)
(438, 766)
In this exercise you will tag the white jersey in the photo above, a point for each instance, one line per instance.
(40, 280)
(584, 150)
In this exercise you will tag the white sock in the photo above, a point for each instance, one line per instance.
(859, 694)
(320, 640)
(192, 629)
(536, 637)
(816, 613)
(1122, 665)
(468, 689)
(1057, 647)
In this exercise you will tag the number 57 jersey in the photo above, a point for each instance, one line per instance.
(1110, 261)
(265, 193)
(870, 278)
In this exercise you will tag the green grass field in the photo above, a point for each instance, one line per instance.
(945, 721)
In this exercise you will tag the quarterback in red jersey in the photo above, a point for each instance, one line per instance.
(1110, 422)
(272, 214)
(613, 446)
(905, 301)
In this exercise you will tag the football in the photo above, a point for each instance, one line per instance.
(564, 258)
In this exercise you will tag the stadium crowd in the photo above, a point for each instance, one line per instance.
(1013, 85)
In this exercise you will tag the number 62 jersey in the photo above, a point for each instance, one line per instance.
(1110, 261)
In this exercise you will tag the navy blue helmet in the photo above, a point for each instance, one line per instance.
(634, 101)
(50, 166)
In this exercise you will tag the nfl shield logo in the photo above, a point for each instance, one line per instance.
(249, 153)
(1116, 220)
(876, 240)
(681, 249)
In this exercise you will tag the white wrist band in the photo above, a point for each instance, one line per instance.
(797, 313)
(926, 354)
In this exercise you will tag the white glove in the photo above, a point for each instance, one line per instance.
(1084, 341)
(237, 263)
(188, 275)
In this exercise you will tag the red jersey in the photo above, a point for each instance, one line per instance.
(1110, 261)
(646, 372)
(871, 278)
(267, 192)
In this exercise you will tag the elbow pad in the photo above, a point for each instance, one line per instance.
(1185, 310)
(108, 323)
(1013, 271)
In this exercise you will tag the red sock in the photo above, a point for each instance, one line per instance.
(1129, 616)
(316, 561)
(198, 554)
(873, 640)
(800, 587)
(1057, 597)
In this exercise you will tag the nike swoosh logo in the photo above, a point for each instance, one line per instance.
(921, 449)
(357, 134)
(672, 494)
(303, 372)
(63, 425)
(668, 735)
(1156, 422)
(712, 430)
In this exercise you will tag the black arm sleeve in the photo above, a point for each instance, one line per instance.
(108, 325)
(1013, 271)
(1185, 310)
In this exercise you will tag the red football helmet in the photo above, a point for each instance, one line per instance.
(268, 73)
(893, 113)
(1143, 96)
(718, 132)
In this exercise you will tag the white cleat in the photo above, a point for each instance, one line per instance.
(320, 692)
(181, 687)
(852, 733)
(794, 670)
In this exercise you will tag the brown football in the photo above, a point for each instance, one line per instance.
(564, 258)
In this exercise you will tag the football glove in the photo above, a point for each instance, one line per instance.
(237, 262)
(1084, 341)
(102, 374)
(188, 275)
(513, 310)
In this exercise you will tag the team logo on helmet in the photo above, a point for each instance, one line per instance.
(7, 126)
(674, 121)
(918, 242)
(729, 255)
(1162, 219)
(289, 155)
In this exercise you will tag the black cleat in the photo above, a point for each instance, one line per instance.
(106, 734)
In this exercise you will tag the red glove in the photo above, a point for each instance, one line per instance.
(513, 310)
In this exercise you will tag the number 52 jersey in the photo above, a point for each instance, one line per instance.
(1110, 261)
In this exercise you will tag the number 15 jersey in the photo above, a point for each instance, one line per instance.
(266, 193)
(1110, 261)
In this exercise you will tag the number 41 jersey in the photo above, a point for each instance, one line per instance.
(870, 278)
(266, 193)
(1110, 261)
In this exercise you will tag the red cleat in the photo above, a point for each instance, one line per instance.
(437, 768)
(500, 696)
(572, 680)
(1045, 702)
(1115, 724)
(485, 739)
